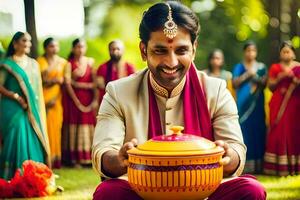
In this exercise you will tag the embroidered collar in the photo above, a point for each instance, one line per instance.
(164, 92)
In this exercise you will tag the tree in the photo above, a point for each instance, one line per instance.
(30, 25)
(284, 25)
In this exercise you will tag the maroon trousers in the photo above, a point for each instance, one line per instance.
(245, 187)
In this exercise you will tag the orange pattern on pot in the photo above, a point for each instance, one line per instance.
(179, 166)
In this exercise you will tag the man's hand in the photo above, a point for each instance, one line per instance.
(123, 155)
(230, 159)
(114, 163)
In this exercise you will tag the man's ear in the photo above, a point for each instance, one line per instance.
(143, 50)
(195, 45)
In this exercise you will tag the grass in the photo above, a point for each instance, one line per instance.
(281, 188)
(81, 183)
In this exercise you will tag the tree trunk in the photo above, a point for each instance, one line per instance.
(273, 7)
(30, 25)
(295, 23)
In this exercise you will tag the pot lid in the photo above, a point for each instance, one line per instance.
(177, 144)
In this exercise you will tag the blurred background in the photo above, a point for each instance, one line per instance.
(225, 24)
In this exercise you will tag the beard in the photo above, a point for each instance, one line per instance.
(168, 81)
(115, 58)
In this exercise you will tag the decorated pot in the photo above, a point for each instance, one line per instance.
(177, 166)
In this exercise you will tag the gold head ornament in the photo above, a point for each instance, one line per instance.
(170, 28)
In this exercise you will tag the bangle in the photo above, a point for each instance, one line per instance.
(16, 96)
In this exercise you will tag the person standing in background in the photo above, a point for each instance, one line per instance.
(52, 69)
(22, 109)
(215, 68)
(113, 69)
(282, 155)
(249, 81)
(79, 103)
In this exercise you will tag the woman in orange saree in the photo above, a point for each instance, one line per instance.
(282, 155)
(52, 69)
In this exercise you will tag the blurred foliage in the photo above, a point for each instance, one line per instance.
(220, 29)
(225, 24)
(248, 17)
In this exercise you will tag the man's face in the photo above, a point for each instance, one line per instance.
(116, 50)
(168, 59)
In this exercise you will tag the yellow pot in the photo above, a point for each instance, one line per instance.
(178, 166)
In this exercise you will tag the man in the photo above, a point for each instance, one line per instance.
(170, 92)
(113, 69)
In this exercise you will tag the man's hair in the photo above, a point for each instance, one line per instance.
(156, 16)
(115, 41)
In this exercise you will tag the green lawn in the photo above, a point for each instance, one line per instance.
(81, 183)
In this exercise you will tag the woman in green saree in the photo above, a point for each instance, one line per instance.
(22, 109)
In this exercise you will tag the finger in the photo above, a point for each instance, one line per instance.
(127, 146)
(224, 161)
(134, 142)
(223, 144)
(219, 143)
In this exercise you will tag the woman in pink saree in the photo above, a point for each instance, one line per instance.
(79, 102)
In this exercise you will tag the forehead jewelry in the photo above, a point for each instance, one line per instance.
(170, 28)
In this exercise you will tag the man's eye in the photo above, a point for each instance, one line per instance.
(160, 51)
(181, 51)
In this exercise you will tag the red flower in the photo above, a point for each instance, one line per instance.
(5, 189)
(33, 182)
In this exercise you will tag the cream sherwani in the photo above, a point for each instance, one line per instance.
(124, 114)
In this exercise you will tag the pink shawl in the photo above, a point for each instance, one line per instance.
(196, 115)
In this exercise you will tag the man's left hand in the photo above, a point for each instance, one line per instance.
(230, 160)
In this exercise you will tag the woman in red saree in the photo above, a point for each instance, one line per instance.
(79, 102)
(282, 155)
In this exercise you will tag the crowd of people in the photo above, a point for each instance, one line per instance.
(269, 134)
(48, 106)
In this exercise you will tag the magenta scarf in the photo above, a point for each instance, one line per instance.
(196, 114)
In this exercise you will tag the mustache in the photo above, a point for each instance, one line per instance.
(162, 66)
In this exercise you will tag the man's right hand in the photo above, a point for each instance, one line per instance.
(114, 163)
(123, 155)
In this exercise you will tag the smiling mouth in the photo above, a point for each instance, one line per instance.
(169, 71)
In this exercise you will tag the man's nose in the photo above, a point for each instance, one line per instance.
(171, 60)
